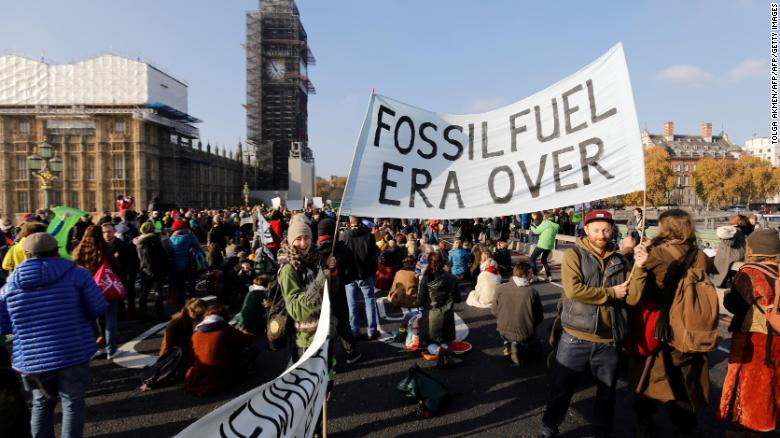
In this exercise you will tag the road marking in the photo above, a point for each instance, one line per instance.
(461, 329)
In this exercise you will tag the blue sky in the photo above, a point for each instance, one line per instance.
(689, 62)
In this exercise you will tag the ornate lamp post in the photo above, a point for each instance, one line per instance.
(245, 191)
(46, 167)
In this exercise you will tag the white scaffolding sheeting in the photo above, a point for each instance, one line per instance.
(104, 80)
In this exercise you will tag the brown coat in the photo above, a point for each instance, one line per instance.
(215, 360)
(403, 292)
(669, 374)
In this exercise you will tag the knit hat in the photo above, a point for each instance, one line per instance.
(147, 228)
(326, 227)
(764, 243)
(180, 224)
(298, 227)
(39, 243)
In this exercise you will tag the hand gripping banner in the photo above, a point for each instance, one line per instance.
(288, 406)
(575, 141)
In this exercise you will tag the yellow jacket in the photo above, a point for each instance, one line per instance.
(14, 257)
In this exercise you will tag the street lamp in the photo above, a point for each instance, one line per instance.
(246, 194)
(46, 167)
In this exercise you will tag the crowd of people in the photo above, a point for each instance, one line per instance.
(269, 267)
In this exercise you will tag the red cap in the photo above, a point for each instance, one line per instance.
(599, 215)
(180, 224)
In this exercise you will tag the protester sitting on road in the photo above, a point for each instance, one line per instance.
(437, 297)
(479, 254)
(518, 311)
(91, 253)
(15, 256)
(178, 332)
(302, 283)
(48, 304)
(252, 315)
(459, 260)
(411, 245)
(217, 354)
(750, 390)
(730, 249)
(503, 258)
(403, 292)
(488, 280)
(547, 230)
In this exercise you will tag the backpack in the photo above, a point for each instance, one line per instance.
(693, 314)
(109, 283)
(771, 313)
(164, 367)
(198, 259)
(278, 320)
(427, 391)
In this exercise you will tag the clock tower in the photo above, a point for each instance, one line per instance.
(278, 89)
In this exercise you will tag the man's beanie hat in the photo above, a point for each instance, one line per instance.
(39, 243)
(764, 243)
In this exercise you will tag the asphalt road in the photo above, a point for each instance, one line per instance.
(494, 398)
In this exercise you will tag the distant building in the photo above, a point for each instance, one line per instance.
(763, 148)
(119, 125)
(301, 175)
(278, 88)
(685, 151)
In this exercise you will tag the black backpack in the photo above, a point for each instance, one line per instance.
(165, 367)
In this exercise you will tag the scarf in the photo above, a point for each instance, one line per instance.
(289, 254)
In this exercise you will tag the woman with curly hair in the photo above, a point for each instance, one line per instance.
(90, 254)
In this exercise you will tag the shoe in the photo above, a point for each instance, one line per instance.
(353, 357)
(548, 432)
(515, 354)
(373, 337)
(100, 341)
(506, 352)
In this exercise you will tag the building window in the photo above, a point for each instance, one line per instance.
(677, 167)
(686, 180)
(56, 198)
(74, 200)
(91, 170)
(73, 168)
(686, 167)
(24, 127)
(119, 167)
(91, 201)
(678, 180)
(120, 126)
(23, 202)
(21, 168)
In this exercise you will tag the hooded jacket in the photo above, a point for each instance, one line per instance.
(363, 253)
(48, 304)
(179, 246)
(153, 259)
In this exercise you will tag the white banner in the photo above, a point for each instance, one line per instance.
(288, 406)
(264, 230)
(575, 141)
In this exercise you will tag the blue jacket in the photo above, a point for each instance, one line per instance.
(460, 259)
(48, 304)
(179, 246)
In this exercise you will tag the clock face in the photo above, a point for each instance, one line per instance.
(275, 69)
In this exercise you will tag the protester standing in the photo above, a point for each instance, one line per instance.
(48, 304)
(546, 230)
(751, 396)
(154, 266)
(591, 293)
(361, 269)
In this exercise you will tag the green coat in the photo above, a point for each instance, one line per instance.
(303, 300)
(546, 231)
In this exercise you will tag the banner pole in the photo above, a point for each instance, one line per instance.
(325, 417)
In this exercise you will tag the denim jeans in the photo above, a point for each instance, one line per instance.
(70, 384)
(573, 358)
(544, 253)
(112, 315)
(366, 286)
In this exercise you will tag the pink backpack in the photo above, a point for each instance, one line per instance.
(109, 283)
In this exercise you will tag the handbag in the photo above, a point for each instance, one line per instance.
(109, 283)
